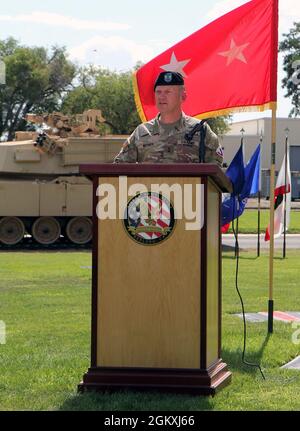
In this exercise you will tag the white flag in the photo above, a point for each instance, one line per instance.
(279, 205)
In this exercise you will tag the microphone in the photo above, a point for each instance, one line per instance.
(189, 135)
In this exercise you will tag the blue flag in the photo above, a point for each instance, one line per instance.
(252, 171)
(234, 204)
(236, 171)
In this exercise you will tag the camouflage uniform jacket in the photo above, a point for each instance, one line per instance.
(151, 143)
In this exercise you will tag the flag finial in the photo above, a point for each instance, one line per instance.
(286, 132)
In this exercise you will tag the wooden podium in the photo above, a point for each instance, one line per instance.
(156, 286)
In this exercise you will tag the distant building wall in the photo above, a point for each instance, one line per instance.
(253, 130)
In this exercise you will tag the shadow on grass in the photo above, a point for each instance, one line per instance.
(227, 248)
(137, 401)
(233, 359)
(232, 257)
(226, 255)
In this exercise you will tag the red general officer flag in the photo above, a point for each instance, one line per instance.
(228, 65)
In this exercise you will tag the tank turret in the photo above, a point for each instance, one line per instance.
(69, 125)
(42, 195)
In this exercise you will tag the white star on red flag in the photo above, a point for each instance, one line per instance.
(175, 65)
(235, 52)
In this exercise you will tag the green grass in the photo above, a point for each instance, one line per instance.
(248, 221)
(45, 303)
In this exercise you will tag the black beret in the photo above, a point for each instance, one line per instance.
(169, 78)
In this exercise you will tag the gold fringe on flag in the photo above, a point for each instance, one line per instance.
(236, 109)
(137, 99)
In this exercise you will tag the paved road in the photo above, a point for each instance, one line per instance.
(250, 241)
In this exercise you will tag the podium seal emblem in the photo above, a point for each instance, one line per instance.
(149, 218)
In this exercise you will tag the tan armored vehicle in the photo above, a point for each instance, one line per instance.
(41, 191)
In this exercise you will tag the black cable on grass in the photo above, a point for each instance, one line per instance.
(237, 254)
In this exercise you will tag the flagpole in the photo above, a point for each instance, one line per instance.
(258, 224)
(238, 202)
(285, 176)
(258, 204)
(272, 195)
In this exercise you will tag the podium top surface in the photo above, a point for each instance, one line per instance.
(210, 170)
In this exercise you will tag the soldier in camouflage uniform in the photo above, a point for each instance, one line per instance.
(162, 140)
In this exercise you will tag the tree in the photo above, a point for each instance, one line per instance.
(290, 46)
(35, 82)
(219, 124)
(106, 90)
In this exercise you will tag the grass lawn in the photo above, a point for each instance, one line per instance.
(45, 304)
(248, 221)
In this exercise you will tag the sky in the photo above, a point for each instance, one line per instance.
(115, 34)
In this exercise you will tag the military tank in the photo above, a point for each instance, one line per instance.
(42, 195)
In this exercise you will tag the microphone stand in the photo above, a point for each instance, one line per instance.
(199, 127)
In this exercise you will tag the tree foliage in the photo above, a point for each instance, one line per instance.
(35, 82)
(290, 46)
(106, 90)
(219, 124)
